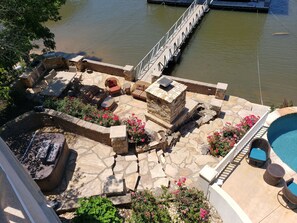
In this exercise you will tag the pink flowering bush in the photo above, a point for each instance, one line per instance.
(146, 208)
(103, 118)
(221, 142)
(191, 204)
(136, 129)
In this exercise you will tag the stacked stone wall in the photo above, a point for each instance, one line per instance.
(31, 121)
(103, 67)
(196, 86)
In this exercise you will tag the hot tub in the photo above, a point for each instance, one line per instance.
(282, 136)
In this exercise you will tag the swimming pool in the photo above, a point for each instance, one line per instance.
(282, 136)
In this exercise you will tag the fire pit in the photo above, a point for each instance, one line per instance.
(44, 157)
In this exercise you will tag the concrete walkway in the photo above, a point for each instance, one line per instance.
(92, 163)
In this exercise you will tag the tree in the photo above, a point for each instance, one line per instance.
(22, 23)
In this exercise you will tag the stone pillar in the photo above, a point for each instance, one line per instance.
(216, 105)
(221, 90)
(27, 80)
(129, 73)
(206, 177)
(118, 138)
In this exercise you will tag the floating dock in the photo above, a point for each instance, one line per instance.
(260, 5)
(184, 3)
(253, 5)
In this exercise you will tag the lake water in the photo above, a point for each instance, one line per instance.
(227, 47)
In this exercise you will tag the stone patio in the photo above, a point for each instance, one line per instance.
(92, 164)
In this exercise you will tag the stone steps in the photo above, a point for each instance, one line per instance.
(139, 172)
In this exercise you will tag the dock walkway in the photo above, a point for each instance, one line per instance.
(168, 48)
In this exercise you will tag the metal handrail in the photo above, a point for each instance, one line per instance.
(145, 63)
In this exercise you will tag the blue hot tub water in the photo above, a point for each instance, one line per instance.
(282, 136)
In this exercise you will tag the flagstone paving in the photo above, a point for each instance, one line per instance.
(92, 164)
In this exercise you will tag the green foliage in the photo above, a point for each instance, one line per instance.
(75, 107)
(96, 210)
(4, 92)
(147, 209)
(71, 106)
(23, 22)
(6, 78)
(8, 96)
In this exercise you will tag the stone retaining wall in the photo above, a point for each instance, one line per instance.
(107, 68)
(31, 121)
(196, 86)
(55, 63)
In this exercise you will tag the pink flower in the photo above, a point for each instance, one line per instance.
(183, 179)
(105, 116)
(203, 213)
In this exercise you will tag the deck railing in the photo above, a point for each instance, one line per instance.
(241, 144)
(145, 64)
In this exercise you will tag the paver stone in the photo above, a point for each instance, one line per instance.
(171, 171)
(131, 181)
(132, 168)
(143, 167)
(113, 186)
(157, 171)
(161, 182)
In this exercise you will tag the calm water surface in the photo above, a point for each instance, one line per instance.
(226, 47)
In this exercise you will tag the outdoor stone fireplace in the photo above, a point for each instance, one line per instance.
(166, 99)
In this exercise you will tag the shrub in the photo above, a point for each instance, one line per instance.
(191, 204)
(75, 107)
(96, 209)
(146, 209)
(135, 129)
(221, 142)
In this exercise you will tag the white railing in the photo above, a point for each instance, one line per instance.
(241, 144)
(145, 64)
